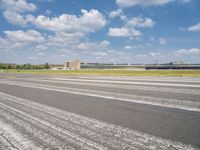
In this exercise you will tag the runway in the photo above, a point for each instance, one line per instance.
(99, 112)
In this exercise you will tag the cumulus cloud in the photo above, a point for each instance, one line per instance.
(115, 13)
(194, 27)
(99, 53)
(189, 51)
(128, 47)
(123, 32)
(129, 27)
(24, 36)
(93, 45)
(104, 43)
(3, 44)
(154, 54)
(20, 6)
(133, 47)
(61, 46)
(130, 3)
(69, 31)
(140, 22)
(14, 18)
(14, 11)
(46, 0)
(89, 21)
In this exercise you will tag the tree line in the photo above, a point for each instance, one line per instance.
(24, 66)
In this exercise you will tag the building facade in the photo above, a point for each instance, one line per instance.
(72, 65)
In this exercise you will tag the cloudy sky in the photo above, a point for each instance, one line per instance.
(108, 31)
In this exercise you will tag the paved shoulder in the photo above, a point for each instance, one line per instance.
(29, 125)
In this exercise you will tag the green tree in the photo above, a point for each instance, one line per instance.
(46, 66)
(17, 66)
(9, 67)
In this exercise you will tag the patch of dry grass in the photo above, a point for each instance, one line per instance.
(114, 72)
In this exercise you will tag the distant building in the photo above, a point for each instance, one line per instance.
(68, 65)
(72, 65)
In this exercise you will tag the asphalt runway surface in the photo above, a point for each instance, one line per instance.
(99, 112)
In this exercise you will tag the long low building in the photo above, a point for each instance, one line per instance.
(175, 67)
(68, 65)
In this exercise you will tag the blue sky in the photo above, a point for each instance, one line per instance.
(106, 31)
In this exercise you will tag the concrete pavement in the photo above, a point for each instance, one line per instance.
(157, 109)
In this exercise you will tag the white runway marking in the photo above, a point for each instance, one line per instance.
(126, 82)
(152, 88)
(156, 79)
(164, 102)
(45, 127)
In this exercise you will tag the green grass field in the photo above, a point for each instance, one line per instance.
(113, 72)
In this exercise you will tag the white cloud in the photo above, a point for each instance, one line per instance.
(195, 27)
(140, 22)
(129, 27)
(71, 30)
(104, 43)
(189, 51)
(63, 39)
(86, 45)
(24, 36)
(162, 41)
(99, 53)
(3, 44)
(93, 45)
(14, 18)
(92, 19)
(155, 54)
(20, 6)
(15, 9)
(130, 3)
(127, 47)
(89, 21)
(115, 13)
(46, 0)
(41, 47)
(123, 32)
(133, 47)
